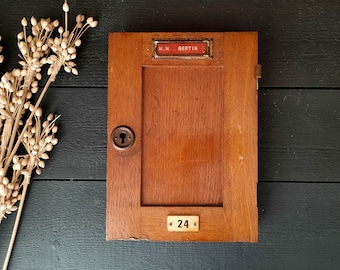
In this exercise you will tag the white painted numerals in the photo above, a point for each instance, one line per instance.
(183, 223)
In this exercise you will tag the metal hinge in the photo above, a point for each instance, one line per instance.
(258, 74)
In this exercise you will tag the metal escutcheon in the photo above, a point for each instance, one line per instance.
(123, 137)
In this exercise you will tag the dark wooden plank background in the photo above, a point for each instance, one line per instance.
(63, 225)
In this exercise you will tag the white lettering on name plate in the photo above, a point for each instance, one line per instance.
(187, 48)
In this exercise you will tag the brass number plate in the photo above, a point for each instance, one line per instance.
(183, 223)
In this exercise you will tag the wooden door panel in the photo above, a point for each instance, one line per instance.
(182, 135)
(195, 147)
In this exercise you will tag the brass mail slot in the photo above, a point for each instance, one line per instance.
(187, 49)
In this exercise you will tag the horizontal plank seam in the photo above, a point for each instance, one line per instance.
(295, 148)
(301, 182)
(297, 88)
(77, 87)
(260, 181)
(261, 88)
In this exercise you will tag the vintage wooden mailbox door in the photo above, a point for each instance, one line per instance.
(182, 137)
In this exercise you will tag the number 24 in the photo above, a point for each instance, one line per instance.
(185, 224)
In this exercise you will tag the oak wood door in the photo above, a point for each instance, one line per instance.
(190, 100)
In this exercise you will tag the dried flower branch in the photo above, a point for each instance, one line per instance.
(21, 120)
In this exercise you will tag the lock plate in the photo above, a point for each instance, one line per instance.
(123, 137)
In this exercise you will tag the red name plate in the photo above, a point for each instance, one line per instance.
(180, 48)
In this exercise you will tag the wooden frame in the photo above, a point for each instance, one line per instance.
(236, 217)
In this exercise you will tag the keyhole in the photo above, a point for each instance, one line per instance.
(122, 137)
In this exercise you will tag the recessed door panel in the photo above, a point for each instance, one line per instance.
(182, 135)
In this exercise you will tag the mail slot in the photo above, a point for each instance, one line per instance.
(183, 48)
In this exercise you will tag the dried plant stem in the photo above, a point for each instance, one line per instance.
(31, 165)
(18, 117)
(37, 104)
(38, 48)
(17, 221)
(25, 184)
(5, 136)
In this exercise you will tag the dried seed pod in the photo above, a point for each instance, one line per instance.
(41, 142)
(67, 69)
(33, 21)
(74, 71)
(55, 129)
(44, 156)
(36, 147)
(23, 73)
(24, 162)
(41, 164)
(15, 193)
(77, 43)
(89, 20)
(16, 166)
(49, 147)
(94, 24)
(15, 159)
(66, 7)
(48, 139)
(24, 22)
(55, 23)
(38, 112)
(38, 171)
(5, 180)
(44, 47)
(45, 124)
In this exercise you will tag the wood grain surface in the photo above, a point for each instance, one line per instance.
(197, 147)
(182, 131)
(63, 225)
(124, 109)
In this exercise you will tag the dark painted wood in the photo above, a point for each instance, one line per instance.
(298, 42)
(299, 134)
(81, 151)
(63, 227)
